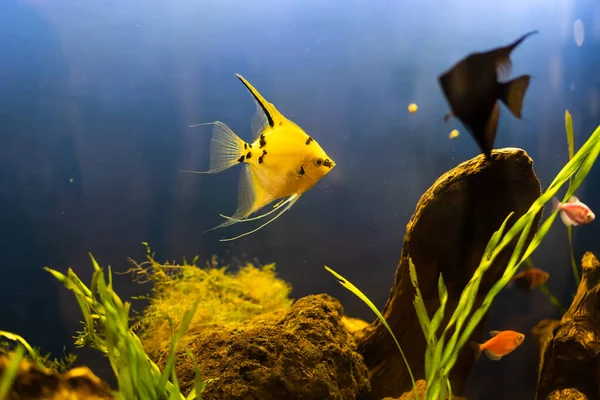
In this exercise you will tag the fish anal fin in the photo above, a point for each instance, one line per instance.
(524, 284)
(492, 356)
(252, 196)
(513, 93)
(494, 333)
(487, 142)
(566, 219)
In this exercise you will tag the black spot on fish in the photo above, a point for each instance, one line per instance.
(472, 90)
(262, 157)
(241, 159)
(245, 146)
(309, 140)
(249, 145)
(302, 172)
(327, 163)
(262, 142)
(280, 123)
(249, 155)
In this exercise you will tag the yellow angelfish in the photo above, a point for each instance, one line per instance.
(283, 162)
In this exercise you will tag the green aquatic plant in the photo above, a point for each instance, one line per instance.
(227, 298)
(571, 146)
(441, 355)
(348, 285)
(33, 354)
(10, 372)
(106, 329)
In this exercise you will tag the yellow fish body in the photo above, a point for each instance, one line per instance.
(283, 162)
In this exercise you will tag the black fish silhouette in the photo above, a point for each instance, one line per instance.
(472, 89)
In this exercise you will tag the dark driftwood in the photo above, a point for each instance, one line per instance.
(448, 233)
(570, 348)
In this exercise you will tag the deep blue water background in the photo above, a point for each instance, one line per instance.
(96, 97)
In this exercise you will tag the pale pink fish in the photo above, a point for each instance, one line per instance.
(574, 212)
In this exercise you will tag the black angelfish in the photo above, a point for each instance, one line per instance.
(472, 89)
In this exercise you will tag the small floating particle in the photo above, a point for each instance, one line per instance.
(454, 134)
(578, 32)
(412, 108)
(70, 180)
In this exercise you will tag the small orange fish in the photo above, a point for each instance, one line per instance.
(501, 343)
(529, 279)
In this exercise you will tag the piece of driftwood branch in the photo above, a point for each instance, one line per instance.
(570, 348)
(447, 234)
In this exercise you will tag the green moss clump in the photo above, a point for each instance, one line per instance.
(59, 365)
(225, 299)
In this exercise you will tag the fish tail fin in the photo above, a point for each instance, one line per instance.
(513, 93)
(563, 215)
(226, 148)
(555, 204)
(477, 347)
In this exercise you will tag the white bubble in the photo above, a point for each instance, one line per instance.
(578, 32)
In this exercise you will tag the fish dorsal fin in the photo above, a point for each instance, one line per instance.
(573, 199)
(266, 114)
(494, 333)
(501, 55)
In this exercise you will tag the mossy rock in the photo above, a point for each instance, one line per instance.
(304, 353)
(35, 383)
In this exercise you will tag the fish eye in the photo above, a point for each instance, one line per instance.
(318, 161)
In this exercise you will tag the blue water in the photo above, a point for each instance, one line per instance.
(96, 98)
